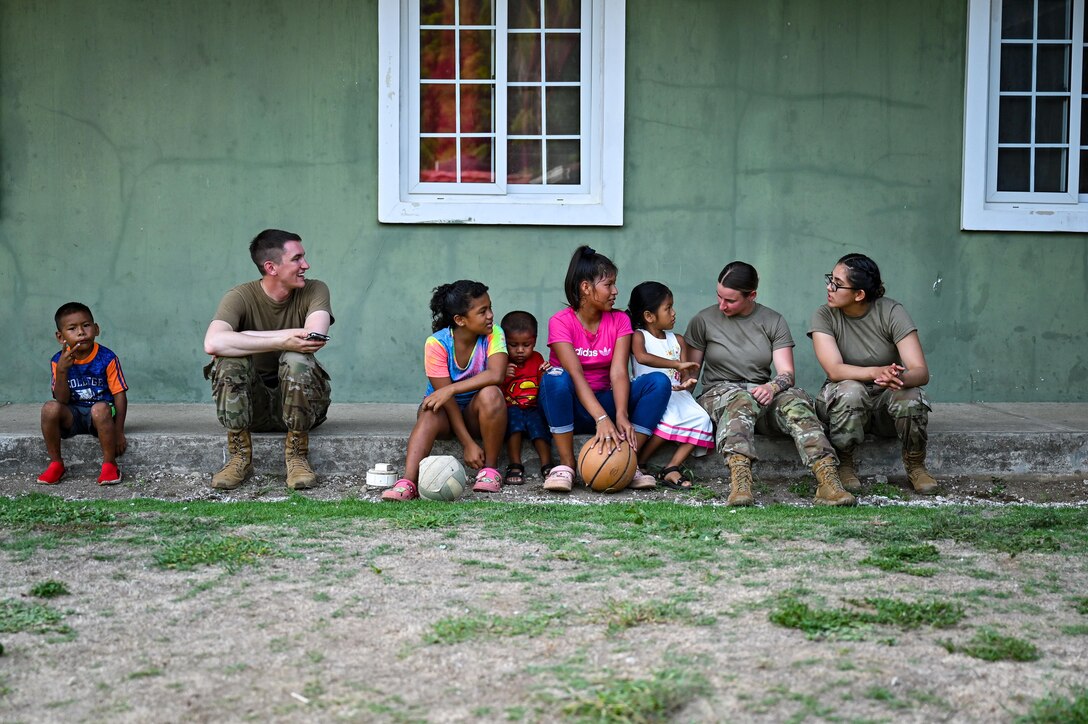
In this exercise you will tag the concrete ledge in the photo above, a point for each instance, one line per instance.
(973, 440)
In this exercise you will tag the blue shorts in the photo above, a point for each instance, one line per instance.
(81, 421)
(528, 421)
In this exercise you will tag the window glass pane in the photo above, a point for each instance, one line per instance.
(436, 53)
(1055, 19)
(1050, 169)
(523, 14)
(477, 108)
(523, 61)
(523, 160)
(1015, 67)
(564, 56)
(1013, 167)
(1084, 69)
(1016, 18)
(1084, 173)
(563, 14)
(436, 108)
(477, 58)
(564, 165)
(436, 12)
(1083, 127)
(1014, 120)
(437, 159)
(476, 12)
(477, 161)
(523, 112)
(564, 113)
(1051, 120)
(1054, 69)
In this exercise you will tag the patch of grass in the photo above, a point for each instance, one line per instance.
(16, 616)
(1077, 629)
(1055, 709)
(887, 490)
(904, 559)
(49, 589)
(843, 623)
(816, 622)
(231, 551)
(1080, 603)
(620, 615)
(653, 699)
(146, 673)
(804, 488)
(40, 511)
(989, 645)
(456, 629)
(907, 615)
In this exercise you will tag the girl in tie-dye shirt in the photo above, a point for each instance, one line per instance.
(465, 362)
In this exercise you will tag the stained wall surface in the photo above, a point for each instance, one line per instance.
(142, 144)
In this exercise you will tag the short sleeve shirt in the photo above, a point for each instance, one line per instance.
(522, 388)
(247, 308)
(439, 359)
(595, 351)
(868, 340)
(95, 378)
(738, 349)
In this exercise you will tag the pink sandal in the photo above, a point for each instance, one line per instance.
(560, 479)
(403, 489)
(488, 480)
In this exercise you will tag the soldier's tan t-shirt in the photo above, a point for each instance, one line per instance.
(868, 340)
(738, 349)
(247, 308)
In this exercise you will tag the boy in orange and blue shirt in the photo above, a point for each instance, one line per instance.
(521, 388)
(89, 395)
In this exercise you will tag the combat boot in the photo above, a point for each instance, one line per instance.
(848, 472)
(915, 463)
(240, 463)
(830, 490)
(740, 480)
(299, 473)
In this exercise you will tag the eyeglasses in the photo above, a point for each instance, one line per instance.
(834, 285)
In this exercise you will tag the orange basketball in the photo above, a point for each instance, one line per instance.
(606, 472)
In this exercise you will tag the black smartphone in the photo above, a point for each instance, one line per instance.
(318, 335)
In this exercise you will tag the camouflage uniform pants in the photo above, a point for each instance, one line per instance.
(299, 401)
(738, 417)
(852, 408)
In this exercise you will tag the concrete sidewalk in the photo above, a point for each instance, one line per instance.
(970, 440)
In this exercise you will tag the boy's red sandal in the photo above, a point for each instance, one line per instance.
(109, 475)
(52, 474)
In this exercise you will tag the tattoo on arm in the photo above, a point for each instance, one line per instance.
(782, 382)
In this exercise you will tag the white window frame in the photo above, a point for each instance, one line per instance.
(983, 208)
(598, 201)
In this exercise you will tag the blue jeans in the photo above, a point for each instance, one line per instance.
(648, 400)
(528, 421)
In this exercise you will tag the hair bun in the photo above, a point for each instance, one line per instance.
(588, 251)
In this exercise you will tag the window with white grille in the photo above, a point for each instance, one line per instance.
(501, 111)
(1025, 134)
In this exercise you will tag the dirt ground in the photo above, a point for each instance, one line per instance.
(343, 627)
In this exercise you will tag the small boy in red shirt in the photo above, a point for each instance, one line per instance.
(521, 387)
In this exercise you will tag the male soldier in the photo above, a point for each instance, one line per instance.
(264, 374)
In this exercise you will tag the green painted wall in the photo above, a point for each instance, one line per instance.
(144, 143)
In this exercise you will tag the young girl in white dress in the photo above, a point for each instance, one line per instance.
(655, 349)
